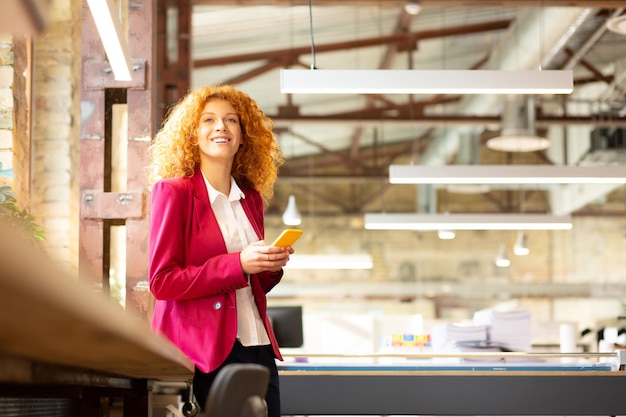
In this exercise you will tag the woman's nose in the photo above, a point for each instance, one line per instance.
(221, 125)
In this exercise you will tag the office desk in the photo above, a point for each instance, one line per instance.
(62, 340)
(476, 388)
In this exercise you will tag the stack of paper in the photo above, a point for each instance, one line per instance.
(445, 337)
(511, 329)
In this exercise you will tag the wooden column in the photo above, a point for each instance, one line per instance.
(90, 263)
(101, 208)
(141, 129)
(174, 53)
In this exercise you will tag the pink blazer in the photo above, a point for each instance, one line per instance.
(192, 276)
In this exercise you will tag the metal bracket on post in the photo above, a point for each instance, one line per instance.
(97, 75)
(98, 205)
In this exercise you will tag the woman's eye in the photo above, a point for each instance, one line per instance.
(208, 120)
(231, 120)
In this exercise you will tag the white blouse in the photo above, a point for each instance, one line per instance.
(238, 234)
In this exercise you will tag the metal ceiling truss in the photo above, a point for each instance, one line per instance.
(358, 167)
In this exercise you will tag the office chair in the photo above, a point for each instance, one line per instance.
(238, 391)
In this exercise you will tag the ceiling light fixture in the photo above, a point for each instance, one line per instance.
(506, 174)
(518, 132)
(445, 234)
(617, 24)
(361, 261)
(291, 216)
(502, 260)
(112, 36)
(518, 142)
(521, 248)
(494, 221)
(412, 7)
(315, 81)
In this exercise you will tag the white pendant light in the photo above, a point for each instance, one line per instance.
(521, 248)
(518, 132)
(506, 174)
(291, 216)
(316, 81)
(494, 221)
(446, 234)
(502, 260)
(360, 261)
(412, 7)
(518, 142)
(617, 24)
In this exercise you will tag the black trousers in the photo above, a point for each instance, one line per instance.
(262, 355)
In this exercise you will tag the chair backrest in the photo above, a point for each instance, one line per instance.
(238, 391)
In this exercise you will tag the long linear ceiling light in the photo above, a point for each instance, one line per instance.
(506, 174)
(361, 261)
(112, 36)
(315, 81)
(435, 222)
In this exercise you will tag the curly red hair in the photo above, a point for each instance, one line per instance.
(175, 153)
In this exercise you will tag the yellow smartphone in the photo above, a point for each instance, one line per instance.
(287, 238)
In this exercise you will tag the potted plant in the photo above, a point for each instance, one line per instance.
(16, 215)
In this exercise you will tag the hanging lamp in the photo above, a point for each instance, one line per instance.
(502, 260)
(446, 234)
(518, 132)
(291, 216)
(521, 248)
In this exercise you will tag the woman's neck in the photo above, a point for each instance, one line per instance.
(218, 176)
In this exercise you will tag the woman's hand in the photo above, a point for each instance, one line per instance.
(259, 257)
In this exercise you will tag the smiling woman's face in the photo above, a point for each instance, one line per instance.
(219, 132)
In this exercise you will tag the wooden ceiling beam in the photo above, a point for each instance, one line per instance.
(269, 66)
(399, 39)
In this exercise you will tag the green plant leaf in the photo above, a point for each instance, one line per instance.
(17, 216)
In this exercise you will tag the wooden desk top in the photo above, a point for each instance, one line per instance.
(48, 316)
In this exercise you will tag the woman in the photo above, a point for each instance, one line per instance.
(214, 164)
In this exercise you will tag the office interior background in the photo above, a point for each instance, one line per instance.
(339, 148)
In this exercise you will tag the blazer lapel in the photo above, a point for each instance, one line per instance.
(208, 227)
(205, 216)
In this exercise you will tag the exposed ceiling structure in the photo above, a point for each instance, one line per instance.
(339, 147)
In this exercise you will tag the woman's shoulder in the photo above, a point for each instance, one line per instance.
(174, 183)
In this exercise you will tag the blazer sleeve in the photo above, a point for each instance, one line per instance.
(182, 265)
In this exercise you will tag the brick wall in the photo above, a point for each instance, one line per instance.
(15, 144)
(6, 105)
(56, 119)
